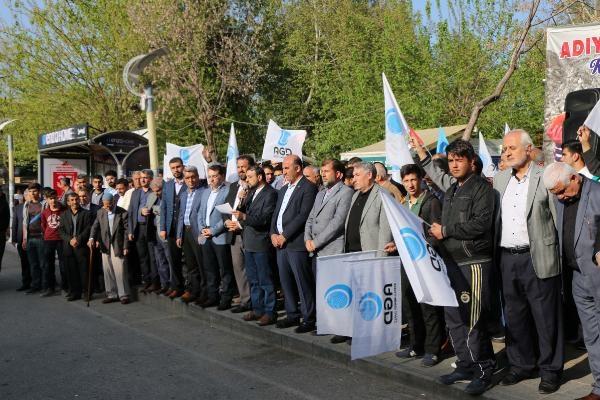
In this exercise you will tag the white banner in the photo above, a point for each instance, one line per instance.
(425, 269)
(377, 322)
(397, 131)
(282, 142)
(191, 155)
(489, 169)
(232, 154)
(334, 292)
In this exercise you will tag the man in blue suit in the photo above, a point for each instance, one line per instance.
(169, 210)
(577, 202)
(294, 203)
(187, 236)
(216, 252)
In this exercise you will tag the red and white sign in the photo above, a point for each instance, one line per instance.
(55, 169)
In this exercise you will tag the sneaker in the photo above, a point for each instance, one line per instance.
(456, 376)
(429, 360)
(408, 353)
(478, 386)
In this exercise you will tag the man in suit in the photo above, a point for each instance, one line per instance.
(75, 226)
(109, 234)
(169, 210)
(294, 203)
(236, 198)
(530, 268)
(255, 224)
(216, 252)
(577, 202)
(141, 230)
(187, 236)
(17, 240)
(161, 247)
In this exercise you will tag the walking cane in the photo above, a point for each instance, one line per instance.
(89, 287)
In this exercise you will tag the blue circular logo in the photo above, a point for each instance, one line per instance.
(185, 156)
(338, 296)
(414, 243)
(231, 153)
(370, 306)
(392, 120)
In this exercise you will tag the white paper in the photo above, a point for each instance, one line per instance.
(224, 208)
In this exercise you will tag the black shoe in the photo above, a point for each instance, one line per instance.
(224, 305)
(241, 309)
(287, 323)
(47, 293)
(73, 298)
(23, 288)
(32, 290)
(456, 376)
(548, 386)
(478, 386)
(305, 327)
(409, 353)
(338, 339)
(210, 303)
(512, 378)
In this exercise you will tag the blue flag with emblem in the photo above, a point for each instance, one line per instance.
(335, 299)
(442, 141)
(397, 133)
(232, 154)
(424, 267)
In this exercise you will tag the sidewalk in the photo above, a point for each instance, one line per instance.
(576, 383)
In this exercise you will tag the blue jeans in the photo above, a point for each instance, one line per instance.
(262, 290)
(35, 255)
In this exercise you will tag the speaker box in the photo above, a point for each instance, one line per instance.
(578, 105)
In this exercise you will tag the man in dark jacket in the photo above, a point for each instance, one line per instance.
(17, 240)
(467, 235)
(425, 322)
(4, 223)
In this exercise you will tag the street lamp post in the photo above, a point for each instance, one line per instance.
(131, 76)
(11, 171)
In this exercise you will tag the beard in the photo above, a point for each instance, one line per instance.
(517, 162)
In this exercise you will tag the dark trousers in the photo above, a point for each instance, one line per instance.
(425, 322)
(193, 262)
(218, 270)
(297, 280)
(25, 271)
(35, 255)
(260, 276)
(52, 249)
(176, 264)
(533, 313)
(77, 262)
(144, 244)
(2, 245)
(467, 323)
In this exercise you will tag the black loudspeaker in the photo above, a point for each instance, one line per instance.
(578, 105)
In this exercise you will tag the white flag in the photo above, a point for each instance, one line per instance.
(593, 119)
(191, 155)
(282, 142)
(425, 269)
(489, 169)
(506, 128)
(397, 131)
(334, 292)
(232, 154)
(377, 322)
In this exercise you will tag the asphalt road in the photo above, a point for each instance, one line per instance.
(52, 349)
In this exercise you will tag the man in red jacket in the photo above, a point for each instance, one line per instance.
(52, 245)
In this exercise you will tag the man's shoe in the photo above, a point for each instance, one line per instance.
(305, 327)
(155, 288)
(251, 316)
(591, 396)
(512, 378)
(429, 360)
(187, 297)
(73, 298)
(287, 323)
(478, 386)
(209, 303)
(125, 300)
(456, 376)
(175, 294)
(408, 353)
(267, 320)
(23, 288)
(164, 291)
(224, 305)
(339, 339)
(109, 300)
(47, 293)
(146, 288)
(241, 308)
(32, 290)
(548, 386)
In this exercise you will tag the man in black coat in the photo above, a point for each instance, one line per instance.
(4, 223)
(17, 240)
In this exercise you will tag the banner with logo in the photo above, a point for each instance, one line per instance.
(191, 155)
(232, 154)
(425, 268)
(573, 63)
(397, 133)
(377, 322)
(334, 292)
(282, 142)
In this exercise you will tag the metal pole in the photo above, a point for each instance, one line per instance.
(152, 146)
(11, 180)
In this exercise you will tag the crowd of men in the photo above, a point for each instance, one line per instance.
(519, 248)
